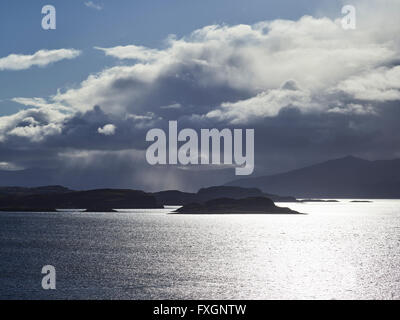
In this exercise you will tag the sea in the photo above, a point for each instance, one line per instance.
(341, 250)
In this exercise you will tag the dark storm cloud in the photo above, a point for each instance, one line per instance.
(310, 90)
(82, 156)
(183, 84)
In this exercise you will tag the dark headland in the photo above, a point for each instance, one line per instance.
(208, 200)
(175, 197)
(101, 200)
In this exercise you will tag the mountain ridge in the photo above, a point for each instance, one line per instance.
(347, 177)
(176, 197)
(50, 198)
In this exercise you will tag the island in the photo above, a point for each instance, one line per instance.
(179, 198)
(318, 200)
(49, 199)
(221, 199)
(252, 205)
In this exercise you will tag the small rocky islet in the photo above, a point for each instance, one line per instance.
(253, 205)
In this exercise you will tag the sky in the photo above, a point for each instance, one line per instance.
(76, 102)
(113, 23)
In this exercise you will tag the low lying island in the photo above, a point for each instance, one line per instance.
(253, 205)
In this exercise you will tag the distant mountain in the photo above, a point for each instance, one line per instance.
(28, 177)
(348, 177)
(92, 177)
(174, 197)
(31, 191)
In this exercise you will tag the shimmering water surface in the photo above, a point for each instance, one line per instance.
(338, 251)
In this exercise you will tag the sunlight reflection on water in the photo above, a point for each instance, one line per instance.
(337, 251)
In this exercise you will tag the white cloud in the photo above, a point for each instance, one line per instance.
(256, 59)
(92, 5)
(40, 103)
(32, 102)
(107, 130)
(381, 84)
(265, 104)
(33, 124)
(354, 108)
(35, 132)
(235, 73)
(41, 58)
(132, 52)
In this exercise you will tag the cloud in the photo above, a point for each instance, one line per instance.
(41, 58)
(265, 104)
(172, 106)
(217, 68)
(132, 52)
(33, 102)
(7, 166)
(381, 84)
(107, 130)
(40, 103)
(353, 108)
(310, 89)
(92, 5)
(33, 125)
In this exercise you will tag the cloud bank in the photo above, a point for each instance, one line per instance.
(92, 5)
(40, 58)
(309, 88)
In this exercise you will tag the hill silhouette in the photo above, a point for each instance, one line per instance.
(101, 200)
(175, 197)
(348, 177)
(50, 198)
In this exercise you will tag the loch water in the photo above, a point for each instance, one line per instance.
(341, 250)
